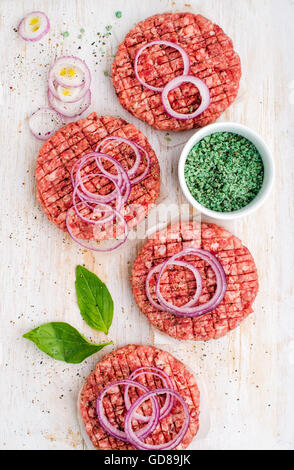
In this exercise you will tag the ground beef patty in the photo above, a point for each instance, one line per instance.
(69, 144)
(212, 59)
(119, 365)
(178, 285)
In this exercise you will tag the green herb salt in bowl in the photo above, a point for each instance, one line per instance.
(226, 171)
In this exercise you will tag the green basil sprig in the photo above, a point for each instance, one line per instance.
(63, 342)
(94, 300)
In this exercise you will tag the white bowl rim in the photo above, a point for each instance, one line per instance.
(265, 153)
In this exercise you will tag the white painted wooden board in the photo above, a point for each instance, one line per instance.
(249, 373)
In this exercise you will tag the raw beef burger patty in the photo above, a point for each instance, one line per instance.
(119, 365)
(179, 284)
(212, 59)
(69, 144)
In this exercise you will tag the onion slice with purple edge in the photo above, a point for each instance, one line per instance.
(184, 264)
(83, 193)
(44, 122)
(98, 203)
(146, 171)
(69, 72)
(136, 440)
(117, 433)
(137, 149)
(69, 94)
(176, 83)
(183, 53)
(167, 383)
(97, 198)
(70, 109)
(202, 309)
(34, 26)
(121, 177)
(105, 142)
(99, 208)
(96, 227)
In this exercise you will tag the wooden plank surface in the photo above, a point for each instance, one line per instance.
(249, 373)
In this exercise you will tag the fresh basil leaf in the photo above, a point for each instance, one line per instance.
(94, 300)
(63, 342)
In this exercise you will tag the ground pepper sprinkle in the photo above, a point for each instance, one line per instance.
(224, 172)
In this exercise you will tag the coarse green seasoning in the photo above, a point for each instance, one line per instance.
(224, 172)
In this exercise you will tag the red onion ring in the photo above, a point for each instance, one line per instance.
(124, 180)
(100, 250)
(117, 433)
(137, 440)
(97, 157)
(101, 208)
(133, 146)
(183, 53)
(100, 202)
(135, 167)
(175, 83)
(30, 35)
(120, 194)
(52, 122)
(146, 171)
(80, 92)
(115, 194)
(72, 61)
(70, 109)
(169, 403)
(218, 296)
(184, 264)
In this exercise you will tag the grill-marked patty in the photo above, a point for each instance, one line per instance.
(212, 59)
(178, 284)
(69, 144)
(119, 365)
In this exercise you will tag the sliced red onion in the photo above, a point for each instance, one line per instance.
(137, 441)
(176, 83)
(146, 171)
(167, 383)
(96, 228)
(117, 433)
(103, 144)
(70, 109)
(34, 26)
(184, 264)
(137, 148)
(98, 203)
(97, 157)
(75, 172)
(97, 198)
(183, 53)
(79, 75)
(44, 123)
(122, 174)
(98, 209)
(69, 94)
(121, 178)
(218, 296)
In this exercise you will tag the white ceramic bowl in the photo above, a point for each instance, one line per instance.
(265, 154)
